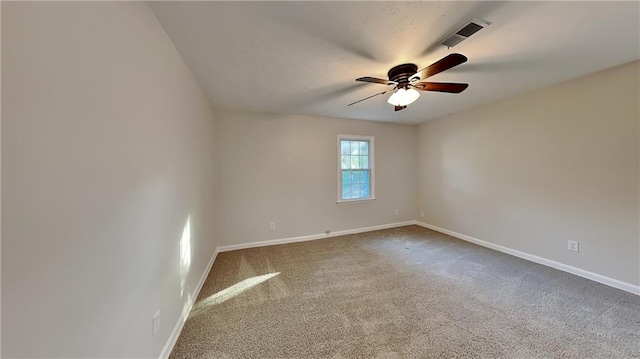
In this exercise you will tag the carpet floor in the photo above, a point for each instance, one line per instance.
(405, 292)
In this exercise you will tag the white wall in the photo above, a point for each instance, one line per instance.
(533, 171)
(283, 169)
(107, 150)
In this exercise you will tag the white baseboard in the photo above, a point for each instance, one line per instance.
(173, 338)
(312, 237)
(628, 287)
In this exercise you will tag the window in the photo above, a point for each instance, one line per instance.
(355, 168)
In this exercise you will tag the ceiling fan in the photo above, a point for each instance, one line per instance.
(406, 78)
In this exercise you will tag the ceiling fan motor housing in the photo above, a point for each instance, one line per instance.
(401, 73)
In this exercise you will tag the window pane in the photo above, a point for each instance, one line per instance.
(346, 191)
(346, 162)
(355, 190)
(365, 180)
(346, 177)
(355, 177)
(344, 147)
(355, 161)
(364, 162)
(354, 147)
(364, 191)
(364, 147)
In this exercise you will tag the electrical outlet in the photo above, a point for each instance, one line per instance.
(573, 246)
(272, 225)
(421, 213)
(156, 322)
(396, 211)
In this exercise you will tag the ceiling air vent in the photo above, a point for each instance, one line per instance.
(467, 30)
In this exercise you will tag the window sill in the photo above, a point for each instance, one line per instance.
(354, 201)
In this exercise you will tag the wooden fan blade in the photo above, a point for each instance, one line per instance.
(450, 87)
(366, 98)
(445, 63)
(376, 80)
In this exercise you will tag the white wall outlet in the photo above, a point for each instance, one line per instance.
(573, 246)
(396, 211)
(272, 225)
(421, 213)
(156, 322)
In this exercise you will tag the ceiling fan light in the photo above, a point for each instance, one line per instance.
(403, 97)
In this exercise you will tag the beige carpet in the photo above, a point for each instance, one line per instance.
(402, 293)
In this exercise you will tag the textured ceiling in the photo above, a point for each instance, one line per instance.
(303, 57)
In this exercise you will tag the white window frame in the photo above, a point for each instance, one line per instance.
(372, 181)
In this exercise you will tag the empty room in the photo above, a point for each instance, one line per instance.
(209, 179)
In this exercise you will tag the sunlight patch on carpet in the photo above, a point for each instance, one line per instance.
(228, 293)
